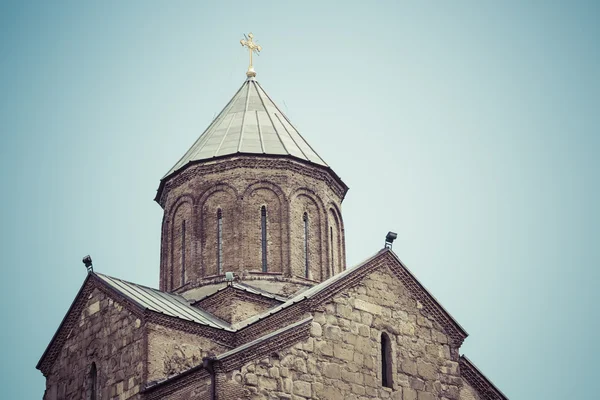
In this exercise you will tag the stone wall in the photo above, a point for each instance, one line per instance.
(342, 357)
(239, 187)
(234, 305)
(109, 336)
(171, 351)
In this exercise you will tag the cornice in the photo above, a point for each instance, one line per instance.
(241, 160)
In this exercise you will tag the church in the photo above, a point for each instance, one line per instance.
(255, 300)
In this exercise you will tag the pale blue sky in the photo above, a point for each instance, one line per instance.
(468, 127)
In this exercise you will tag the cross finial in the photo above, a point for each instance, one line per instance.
(252, 48)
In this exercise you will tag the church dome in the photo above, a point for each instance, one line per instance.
(251, 197)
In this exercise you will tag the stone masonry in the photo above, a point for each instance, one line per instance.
(342, 357)
(108, 335)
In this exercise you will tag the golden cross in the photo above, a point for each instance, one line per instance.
(252, 48)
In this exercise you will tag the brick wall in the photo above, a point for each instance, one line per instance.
(239, 186)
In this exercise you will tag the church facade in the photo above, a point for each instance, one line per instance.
(255, 300)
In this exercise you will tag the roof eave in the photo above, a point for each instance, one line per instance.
(327, 168)
(470, 364)
(454, 321)
(41, 360)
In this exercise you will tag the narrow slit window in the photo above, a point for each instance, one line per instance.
(182, 252)
(332, 252)
(386, 361)
(219, 242)
(263, 231)
(306, 266)
(93, 382)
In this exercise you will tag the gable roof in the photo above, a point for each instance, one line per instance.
(170, 304)
(250, 123)
(340, 281)
(141, 297)
(176, 306)
(245, 288)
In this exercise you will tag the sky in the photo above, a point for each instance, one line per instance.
(470, 128)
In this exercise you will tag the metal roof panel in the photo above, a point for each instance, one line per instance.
(169, 304)
(250, 123)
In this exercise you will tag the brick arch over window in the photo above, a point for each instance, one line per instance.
(335, 255)
(271, 197)
(180, 249)
(305, 202)
(181, 208)
(224, 198)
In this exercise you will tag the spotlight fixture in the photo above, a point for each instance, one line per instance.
(389, 239)
(87, 261)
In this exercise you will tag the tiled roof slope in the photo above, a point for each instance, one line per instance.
(250, 123)
(169, 304)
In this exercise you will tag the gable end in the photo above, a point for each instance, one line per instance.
(425, 300)
(72, 316)
(479, 381)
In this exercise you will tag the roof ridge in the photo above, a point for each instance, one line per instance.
(292, 125)
(200, 139)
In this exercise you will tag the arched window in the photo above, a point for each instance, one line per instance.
(386, 361)
(306, 266)
(219, 242)
(263, 231)
(183, 252)
(93, 382)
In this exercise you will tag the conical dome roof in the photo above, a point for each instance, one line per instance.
(251, 124)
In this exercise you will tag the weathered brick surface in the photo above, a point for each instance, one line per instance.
(239, 186)
(110, 336)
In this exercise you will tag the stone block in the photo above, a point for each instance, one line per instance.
(251, 379)
(93, 308)
(367, 306)
(302, 389)
(324, 348)
(409, 367)
(331, 370)
(343, 352)
(315, 329)
(333, 333)
(426, 396)
(358, 389)
(409, 394)
(426, 370)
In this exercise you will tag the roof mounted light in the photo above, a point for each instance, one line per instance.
(389, 239)
(87, 261)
